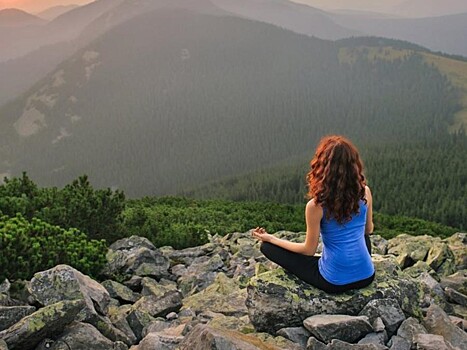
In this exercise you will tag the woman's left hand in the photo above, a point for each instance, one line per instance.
(261, 234)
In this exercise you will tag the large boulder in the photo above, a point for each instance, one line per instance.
(458, 245)
(223, 296)
(66, 283)
(81, 336)
(204, 337)
(410, 249)
(135, 256)
(44, 323)
(277, 299)
(438, 322)
(388, 310)
(343, 327)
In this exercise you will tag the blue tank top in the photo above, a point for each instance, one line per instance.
(345, 258)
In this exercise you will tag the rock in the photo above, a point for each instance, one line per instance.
(156, 326)
(459, 322)
(120, 292)
(378, 325)
(5, 287)
(455, 297)
(48, 321)
(438, 322)
(66, 283)
(9, 315)
(3, 345)
(159, 306)
(378, 339)
(298, 335)
(342, 327)
(81, 336)
(204, 337)
(456, 281)
(119, 320)
(138, 319)
(458, 245)
(150, 287)
(135, 255)
(105, 326)
(410, 249)
(459, 311)
(188, 255)
(223, 296)
(438, 254)
(241, 324)
(171, 316)
(431, 342)
(409, 328)
(155, 341)
(388, 310)
(315, 344)
(277, 299)
(200, 274)
(337, 344)
(399, 343)
(134, 283)
(419, 268)
(379, 245)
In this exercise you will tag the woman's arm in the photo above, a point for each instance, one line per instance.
(313, 215)
(369, 213)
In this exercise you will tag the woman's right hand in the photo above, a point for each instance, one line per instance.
(261, 234)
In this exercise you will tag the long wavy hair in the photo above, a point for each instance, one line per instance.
(336, 180)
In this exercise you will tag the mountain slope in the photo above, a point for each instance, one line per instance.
(55, 11)
(17, 18)
(173, 98)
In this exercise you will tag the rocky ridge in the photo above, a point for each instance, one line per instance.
(226, 295)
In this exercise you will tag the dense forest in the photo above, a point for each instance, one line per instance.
(42, 227)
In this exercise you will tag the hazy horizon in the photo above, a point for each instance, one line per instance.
(35, 6)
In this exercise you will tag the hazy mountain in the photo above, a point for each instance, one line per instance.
(16, 43)
(55, 11)
(286, 14)
(35, 6)
(445, 33)
(430, 8)
(173, 98)
(16, 18)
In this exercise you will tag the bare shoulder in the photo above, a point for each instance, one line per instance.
(367, 192)
(312, 208)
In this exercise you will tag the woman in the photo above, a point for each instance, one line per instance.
(340, 207)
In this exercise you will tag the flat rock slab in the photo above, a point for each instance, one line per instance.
(44, 323)
(277, 299)
(343, 327)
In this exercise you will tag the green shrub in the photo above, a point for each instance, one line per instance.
(31, 246)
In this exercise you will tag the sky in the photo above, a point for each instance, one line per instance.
(34, 6)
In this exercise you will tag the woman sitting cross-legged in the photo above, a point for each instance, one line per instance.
(340, 208)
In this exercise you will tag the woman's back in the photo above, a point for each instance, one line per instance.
(345, 258)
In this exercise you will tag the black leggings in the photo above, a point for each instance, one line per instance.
(306, 268)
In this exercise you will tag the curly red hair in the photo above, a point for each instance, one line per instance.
(336, 180)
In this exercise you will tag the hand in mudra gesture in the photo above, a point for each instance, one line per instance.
(261, 234)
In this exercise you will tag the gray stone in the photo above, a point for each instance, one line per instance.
(379, 245)
(3, 345)
(378, 339)
(298, 335)
(388, 310)
(459, 322)
(171, 316)
(156, 326)
(188, 255)
(438, 254)
(431, 342)
(131, 243)
(5, 287)
(342, 327)
(277, 299)
(150, 287)
(119, 320)
(159, 306)
(155, 341)
(48, 321)
(9, 315)
(105, 326)
(456, 281)
(378, 325)
(458, 245)
(81, 336)
(138, 319)
(438, 322)
(315, 344)
(120, 292)
(455, 297)
(419, 268)
(410, 249)
(399, 343)
(203, 337)
(337, 344)
(409, 328)
(66, 283)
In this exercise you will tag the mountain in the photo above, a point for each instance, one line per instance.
(55, 11)
(172, 98)
(16, 18)
(444, 33)
(286, 14)
(68, 26)
(430, 8)
(35, 6)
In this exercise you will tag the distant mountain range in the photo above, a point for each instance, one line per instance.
(15, 18)
(185, 94)
(55, 11)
